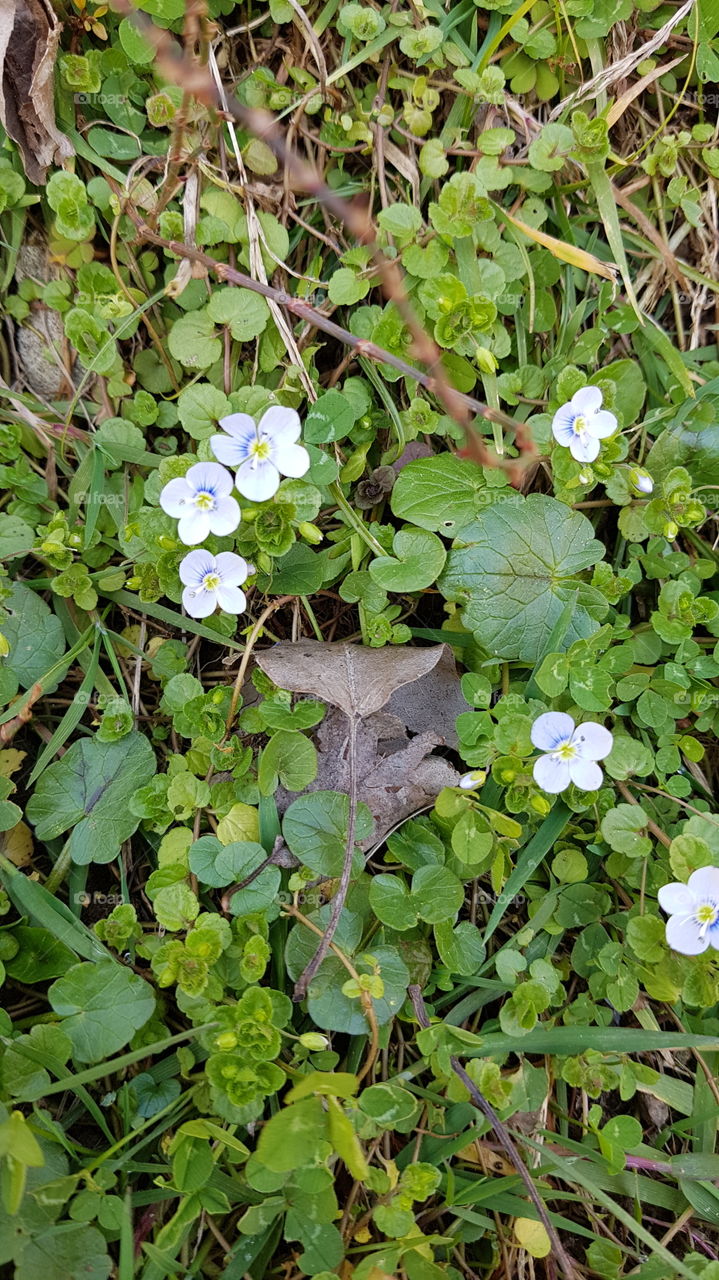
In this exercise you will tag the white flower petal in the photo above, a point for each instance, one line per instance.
(225, 518)
(230, 451)
(231, 599)
(704, 884)
(584, 448)
(281, 424)
(239, 425)
(468, 782)
(676, 898)
(592, 741)
(683, 935)
(257, 481)
(587, 400)
(232, 569)
(551, 774)
(195, 566)
(563, 425)
(551, 729)
(175, 497)
(199, 604)
(194, 527)
(210, 477)
(585, 774)
(292, 460)
(602, 424)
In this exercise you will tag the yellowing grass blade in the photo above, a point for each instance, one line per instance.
(565, 252)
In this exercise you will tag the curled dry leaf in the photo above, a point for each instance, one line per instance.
(356, 679)
(397, 776)
(29, 36)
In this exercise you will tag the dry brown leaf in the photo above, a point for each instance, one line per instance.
(432, 703)
(10, 761)
(29, 37)
(16, 844)
(356, 679)
(491, 1161)
(397, 776)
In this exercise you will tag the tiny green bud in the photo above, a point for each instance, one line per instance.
(225, 1041)
(486, 361)
(313, 1040)
(310, 532)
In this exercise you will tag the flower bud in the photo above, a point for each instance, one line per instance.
(473, 779)
(313, 1040)
(310, 532)
(671, 529)
(225, 1041)
(486, 361)
(641, 481)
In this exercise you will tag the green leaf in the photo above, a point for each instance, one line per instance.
(390, 901)
(289, 758)
(346, 287)
(514, 571)
(460, 948)
(193, 340)
(41, 955)
(88, 790)
(295, 1136)
(102, 1005)
(16, 536)
(34, 634)
(437, 894)
(621, 827)
(331, 417)
(417, 562)
(70, 1251)
(200, 408)
(246, 314)
(315, 830)
(441, 494)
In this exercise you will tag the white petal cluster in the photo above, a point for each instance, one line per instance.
(571, 752)
(202, 503)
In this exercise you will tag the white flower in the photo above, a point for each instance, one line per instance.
(641, 480)
(201, 501)
(475, 778)
(571, 752)
(582, 423)
(693, 910)
(210, 581)
(261, 453)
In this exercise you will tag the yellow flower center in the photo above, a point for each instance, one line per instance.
(706, 913)
(211, 581)
(566, 751)
(260, 450)
(204, 501)
(579, 425)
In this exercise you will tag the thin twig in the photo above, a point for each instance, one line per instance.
(180, 69)
(365, 997)
(338, 901)
(504, 1138)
